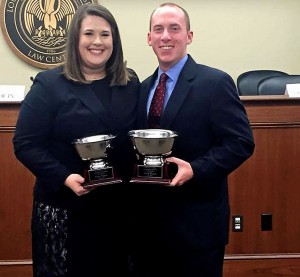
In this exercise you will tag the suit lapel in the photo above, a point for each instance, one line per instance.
(179, 94)
(176, 100)
(86, 95)
(144, 99)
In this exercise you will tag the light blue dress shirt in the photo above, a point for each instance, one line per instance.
(173, 74)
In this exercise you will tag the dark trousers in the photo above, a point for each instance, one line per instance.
(208, 263)
(98, 238)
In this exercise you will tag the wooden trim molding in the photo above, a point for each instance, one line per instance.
(7, 129)
(227, 257)
(263, 256)
(15, 262)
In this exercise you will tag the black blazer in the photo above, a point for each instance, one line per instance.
(215, 138)
(57, 111)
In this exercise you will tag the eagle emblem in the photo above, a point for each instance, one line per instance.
(47, 21)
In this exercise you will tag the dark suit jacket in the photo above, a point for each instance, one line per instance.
(57, 111)
(215, 138)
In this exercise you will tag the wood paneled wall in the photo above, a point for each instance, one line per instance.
(16, 184)
(269, 182)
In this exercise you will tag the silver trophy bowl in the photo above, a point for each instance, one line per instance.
(153, 142)
(153, 147)
(93, 147)
(97, 171)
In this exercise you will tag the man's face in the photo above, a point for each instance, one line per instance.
(169, 36)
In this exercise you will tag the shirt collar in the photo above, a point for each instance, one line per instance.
(173, 72)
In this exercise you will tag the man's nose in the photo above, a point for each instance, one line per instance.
(165, 35)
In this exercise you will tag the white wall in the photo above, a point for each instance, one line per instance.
(232, 35)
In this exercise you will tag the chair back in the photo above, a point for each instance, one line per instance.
(276, 85)
(247, 82)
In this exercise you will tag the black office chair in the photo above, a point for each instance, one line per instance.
(276, 85)
(247, 82)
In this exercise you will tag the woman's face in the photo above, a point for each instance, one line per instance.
(95, 46)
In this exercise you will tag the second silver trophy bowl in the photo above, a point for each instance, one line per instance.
(153, 142)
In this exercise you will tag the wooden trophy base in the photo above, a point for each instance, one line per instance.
(155, 181)
(160, 175)
(101, 177)
(99, 183)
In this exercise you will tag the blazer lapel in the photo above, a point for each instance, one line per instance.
(142, 108)
(119, 100)
(176, 100)
(86, 95)
(179, 94)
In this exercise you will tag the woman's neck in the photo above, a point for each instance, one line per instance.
(91, 75)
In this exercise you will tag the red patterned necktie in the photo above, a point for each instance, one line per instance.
(156, 107)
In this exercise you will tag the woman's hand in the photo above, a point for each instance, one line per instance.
(74, 182)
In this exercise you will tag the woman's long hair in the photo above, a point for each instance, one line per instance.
(115, 67)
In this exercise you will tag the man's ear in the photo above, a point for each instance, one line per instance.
(190, 37)
(149, 39)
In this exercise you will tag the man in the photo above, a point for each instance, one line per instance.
(182, 229)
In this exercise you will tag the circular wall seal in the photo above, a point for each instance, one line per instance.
(36, 29)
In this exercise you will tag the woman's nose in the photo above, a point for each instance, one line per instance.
(97, 40)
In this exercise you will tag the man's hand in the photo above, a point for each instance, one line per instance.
(74, 182)
(184, 173)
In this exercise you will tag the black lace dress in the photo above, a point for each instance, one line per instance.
(49, 238)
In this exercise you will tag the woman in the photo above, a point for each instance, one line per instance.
(77, 231)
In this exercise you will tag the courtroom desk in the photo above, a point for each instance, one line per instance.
(272, 110)
(16, 184)
(269, 182)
